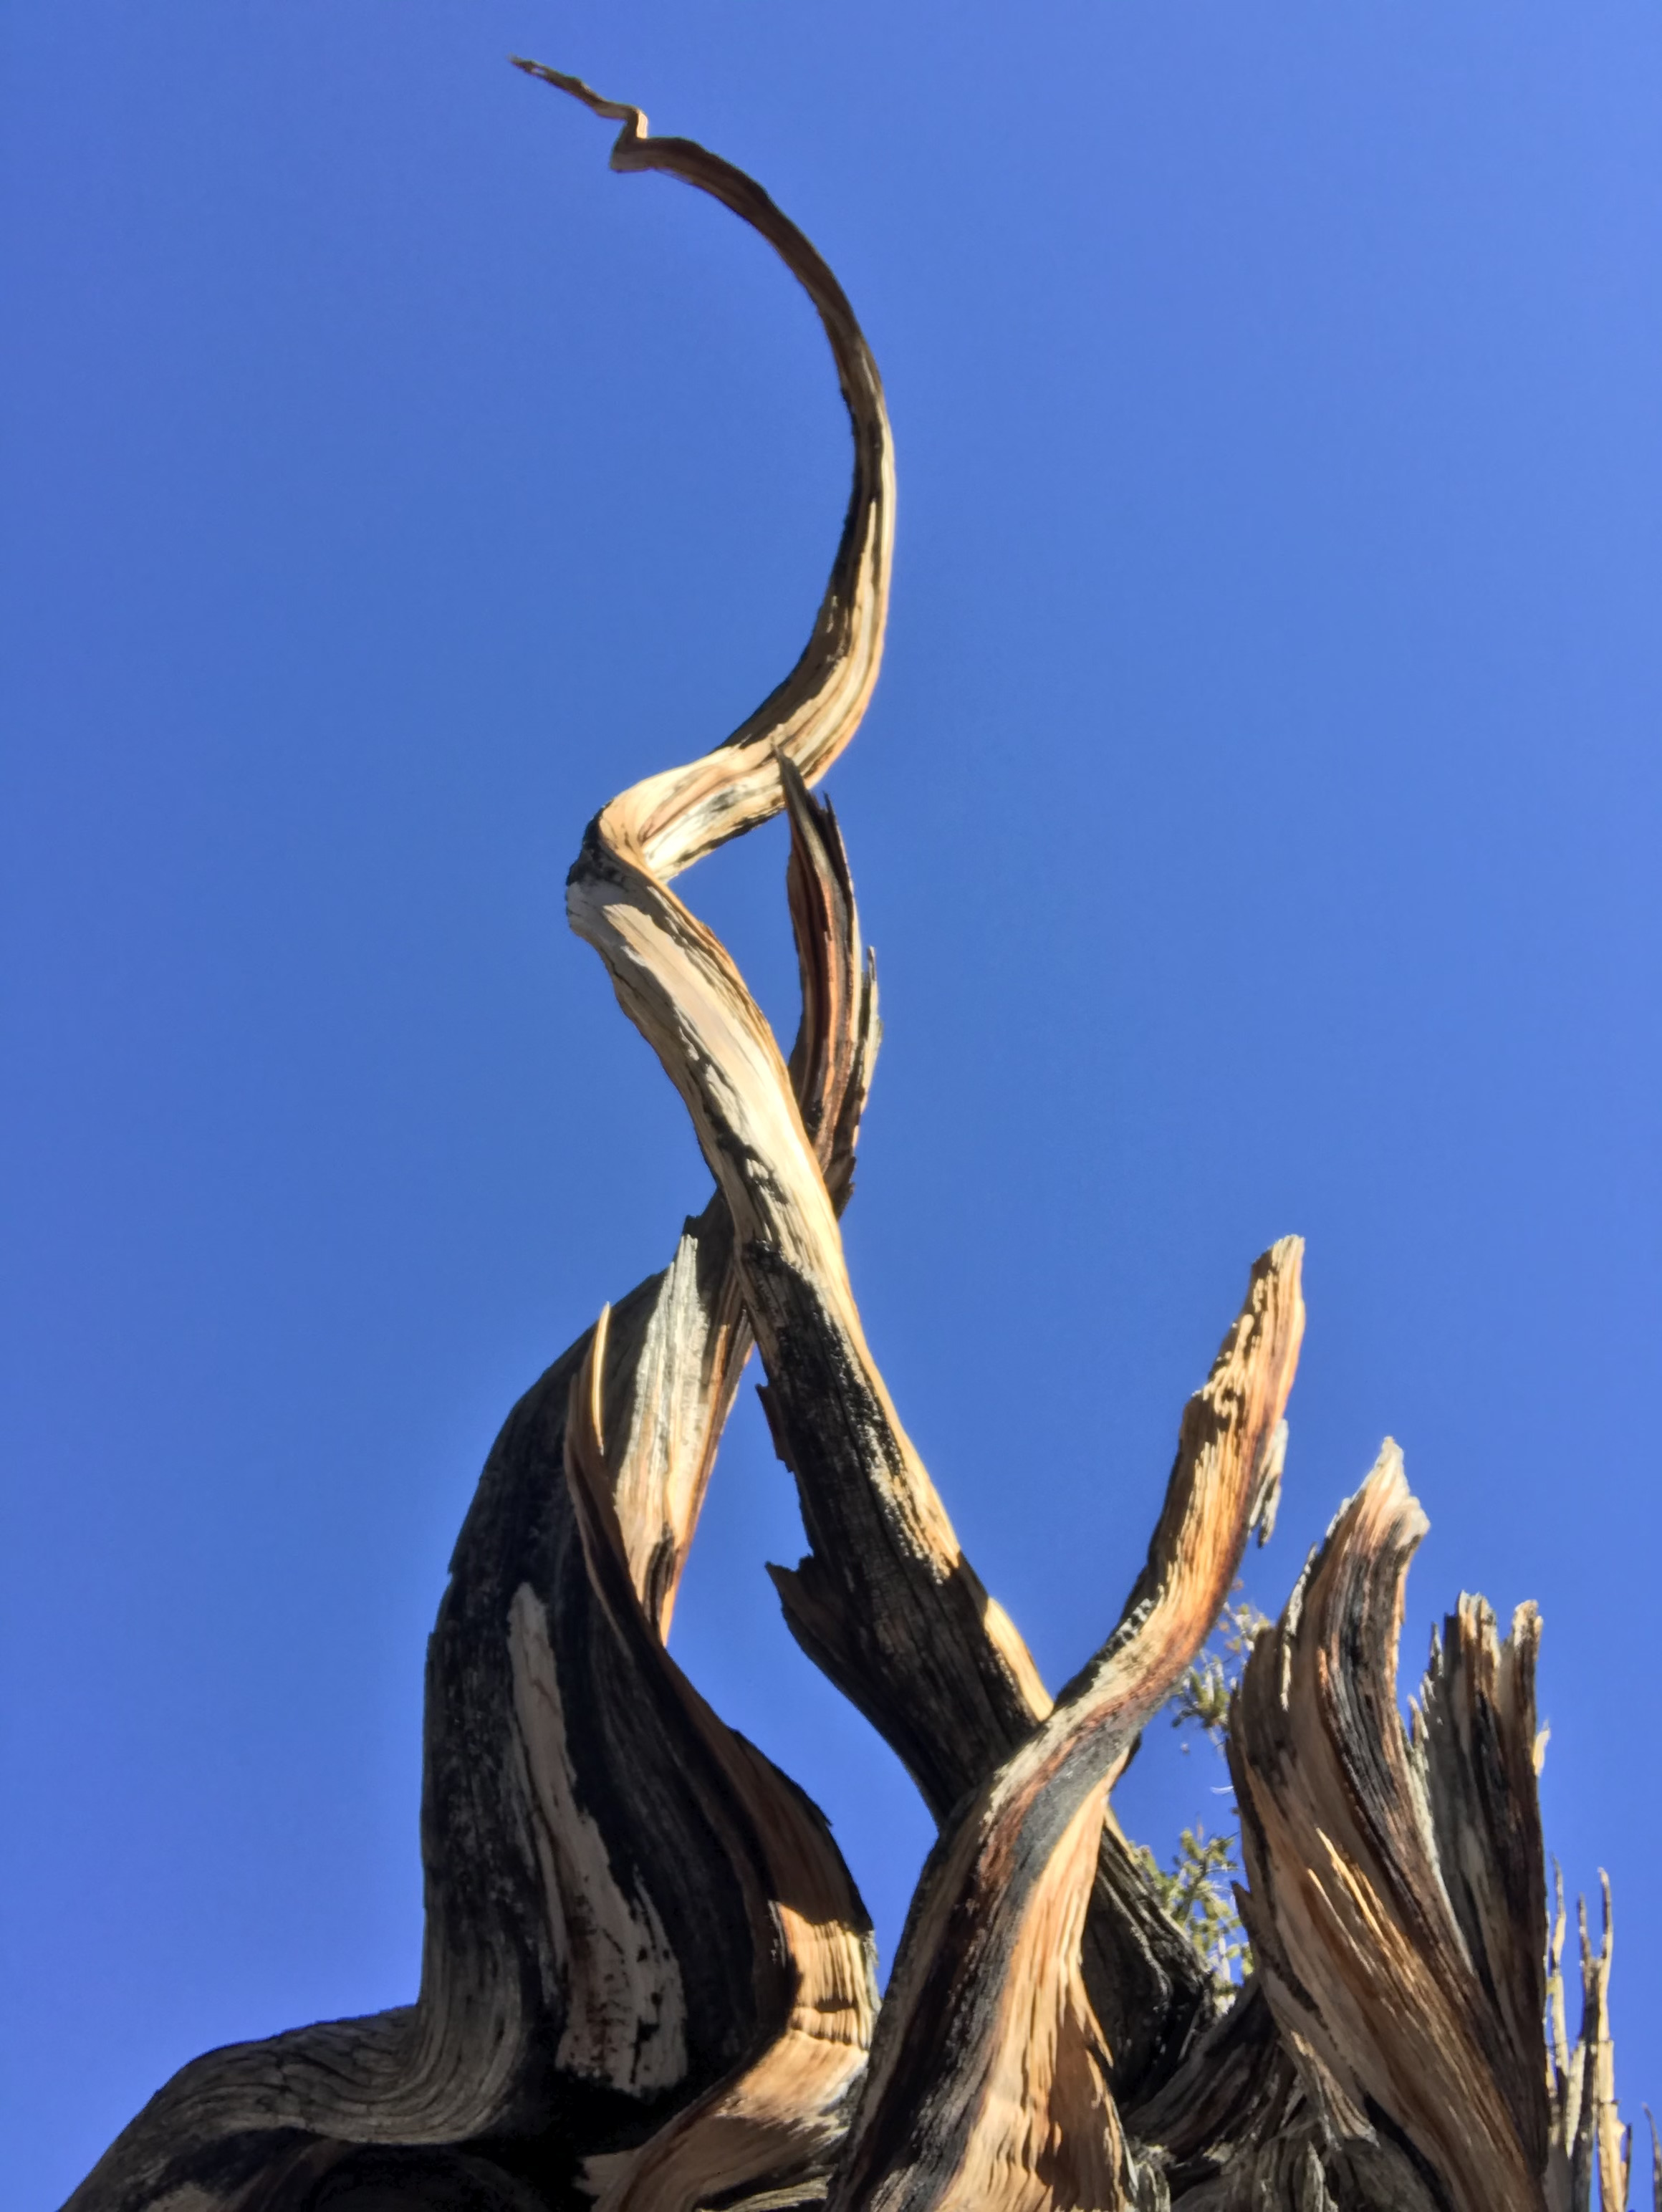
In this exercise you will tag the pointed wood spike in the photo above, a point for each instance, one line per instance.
(674, 818)
(990, 2075)
(1359, 1840)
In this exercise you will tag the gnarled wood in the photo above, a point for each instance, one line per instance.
(647, 1978)
(990, 2079)
(886, 1603)
(1397, 1908)
(668, 821)
(1586, 2124)
(571, 1999)
(810, 1943)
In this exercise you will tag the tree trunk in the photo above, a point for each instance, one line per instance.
(648, 1978)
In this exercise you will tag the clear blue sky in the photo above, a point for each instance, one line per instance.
(1257, 822)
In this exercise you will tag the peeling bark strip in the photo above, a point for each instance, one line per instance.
(647, 1979)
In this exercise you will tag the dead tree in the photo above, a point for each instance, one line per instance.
(647, 1978)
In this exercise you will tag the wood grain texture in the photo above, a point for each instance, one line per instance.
(669, 820)
(1590, 2150)
(648, 1978)
(1397, 1907)
(555, 2021)
(990, 2079)
(775, 2115)
(590, 1966)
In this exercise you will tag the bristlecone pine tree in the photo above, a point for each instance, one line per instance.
(647, 1978)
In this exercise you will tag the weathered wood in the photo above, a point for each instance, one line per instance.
(1581, 2079)
(1224, 2119)
(990, 2078)
(810, 1946)
(887, 1602)
(537, 1780)
(665, 823)
(1396, 1905)
(536, 1798)
(648, 1978)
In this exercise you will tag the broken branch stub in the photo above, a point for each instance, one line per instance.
(648, 1978)
(1396, 1902)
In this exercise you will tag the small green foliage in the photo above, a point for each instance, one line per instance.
(1198, 1892)
(1203, 1694)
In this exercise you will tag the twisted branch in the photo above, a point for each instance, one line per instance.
(647, 1978)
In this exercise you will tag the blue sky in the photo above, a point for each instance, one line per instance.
(1256, 822)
